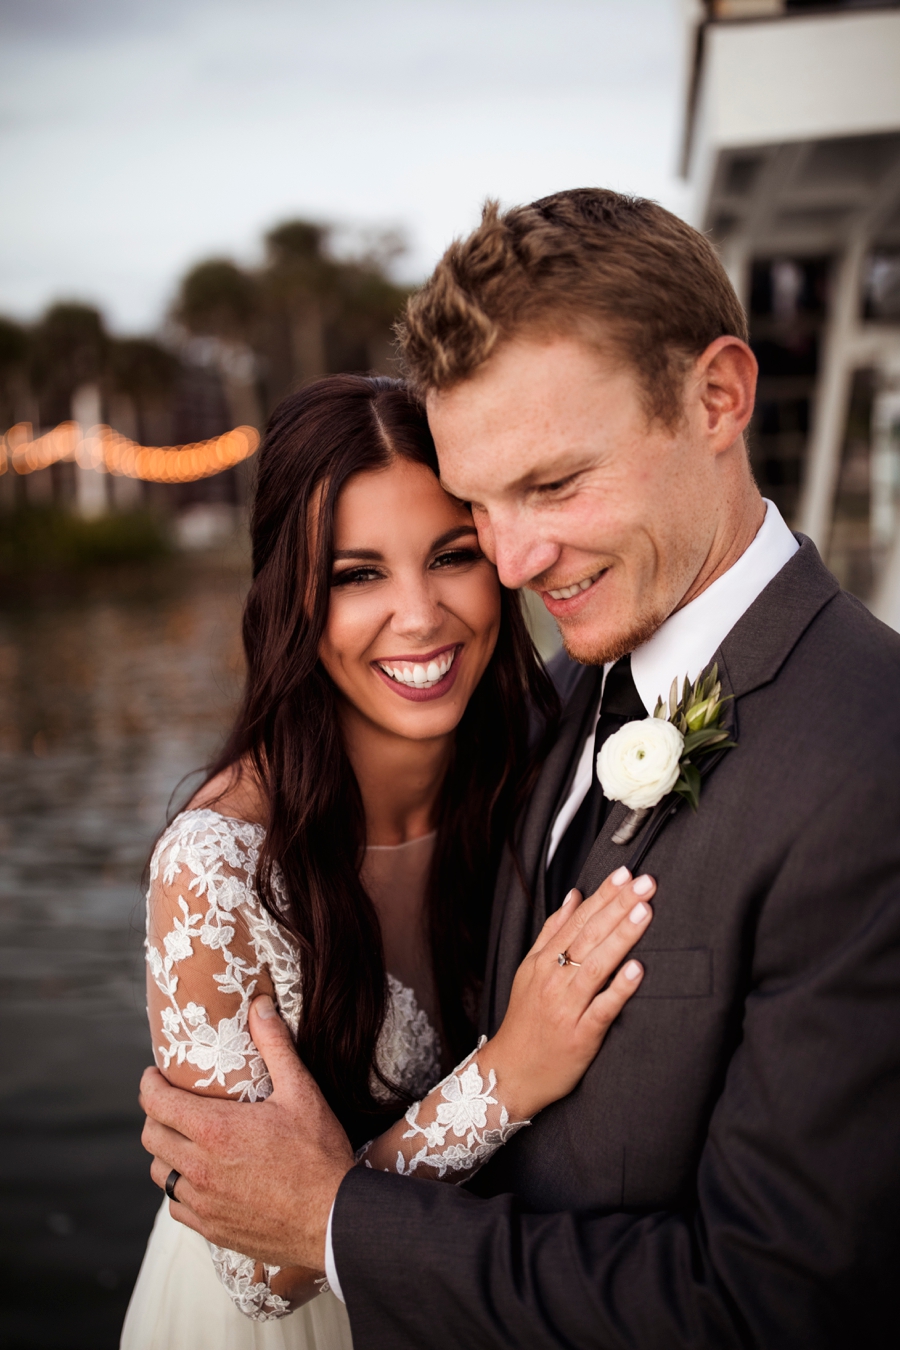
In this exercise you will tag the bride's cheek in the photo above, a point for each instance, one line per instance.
(481, 598)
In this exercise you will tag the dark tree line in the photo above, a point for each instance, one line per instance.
(236, 341)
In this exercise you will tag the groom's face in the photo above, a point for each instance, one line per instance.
(576, 495)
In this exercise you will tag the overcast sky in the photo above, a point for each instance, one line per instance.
(139, 136)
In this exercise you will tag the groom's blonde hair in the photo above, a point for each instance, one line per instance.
(621, 272)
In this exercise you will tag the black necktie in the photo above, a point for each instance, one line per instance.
(621, 703)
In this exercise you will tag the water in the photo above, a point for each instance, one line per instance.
(111, 689)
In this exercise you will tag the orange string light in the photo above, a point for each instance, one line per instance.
(109, 451)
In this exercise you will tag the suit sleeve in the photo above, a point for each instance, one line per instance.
(792, 1236)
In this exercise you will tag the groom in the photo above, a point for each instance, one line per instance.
(728, 1171)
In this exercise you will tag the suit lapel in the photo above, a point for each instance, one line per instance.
(751, 656)
(514, 908)
(764, 637)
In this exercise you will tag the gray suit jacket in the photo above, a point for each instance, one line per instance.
(728, 1171)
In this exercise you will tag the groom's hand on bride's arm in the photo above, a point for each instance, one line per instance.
(257, 1179)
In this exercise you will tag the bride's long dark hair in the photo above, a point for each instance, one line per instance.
(287, 732)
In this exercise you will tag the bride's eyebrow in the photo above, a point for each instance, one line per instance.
(372, 554)
(366, 554)
(458, 532)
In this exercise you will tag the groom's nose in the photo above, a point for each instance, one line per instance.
(515, 546)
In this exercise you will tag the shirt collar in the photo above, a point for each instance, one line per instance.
(689, 638)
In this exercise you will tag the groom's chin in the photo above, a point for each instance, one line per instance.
(595, 645)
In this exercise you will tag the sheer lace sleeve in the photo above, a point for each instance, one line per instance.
(451, 1133)
(210, 949)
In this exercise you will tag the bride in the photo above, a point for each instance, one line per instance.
(341, 853)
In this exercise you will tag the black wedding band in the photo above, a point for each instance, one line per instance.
(170, 1185)
(564, 959)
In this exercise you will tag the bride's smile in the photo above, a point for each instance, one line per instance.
(425, 675)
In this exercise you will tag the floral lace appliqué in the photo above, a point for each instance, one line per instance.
(219, 855)
(202, 884)
(252, 1297)
(461, 1106)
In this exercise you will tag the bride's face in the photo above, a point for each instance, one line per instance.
(414, 611)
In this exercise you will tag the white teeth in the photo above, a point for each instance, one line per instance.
(566, 592)
(419, 676)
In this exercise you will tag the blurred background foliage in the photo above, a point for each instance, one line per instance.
(50, 540)
(237, 340)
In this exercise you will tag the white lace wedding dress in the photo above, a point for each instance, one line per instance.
(211, 948)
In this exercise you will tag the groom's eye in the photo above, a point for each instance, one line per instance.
(558, 484)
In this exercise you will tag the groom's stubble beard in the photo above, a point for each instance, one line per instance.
(613, 647)
(648, 616)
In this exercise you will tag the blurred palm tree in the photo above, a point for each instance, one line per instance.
(305, 313)
(298, 282)
(217, 298)
(14, 352)
(69, 348)
(144, 373)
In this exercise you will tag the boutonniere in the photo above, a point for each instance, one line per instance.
(646, 760)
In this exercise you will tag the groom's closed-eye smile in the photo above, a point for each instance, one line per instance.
(573, 480)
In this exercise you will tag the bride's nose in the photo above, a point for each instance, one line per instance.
(417, 614)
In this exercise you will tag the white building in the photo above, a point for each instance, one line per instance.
(792, 154)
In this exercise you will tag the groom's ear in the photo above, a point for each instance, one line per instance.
(723, 388)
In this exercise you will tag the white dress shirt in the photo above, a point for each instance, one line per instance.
(330, 1267)
(689, 638)
(683, 645)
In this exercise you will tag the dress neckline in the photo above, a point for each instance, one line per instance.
(255, 825)
(407, 843)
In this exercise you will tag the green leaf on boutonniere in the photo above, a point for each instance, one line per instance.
(688, 784)
(697, 740)
(698, 716)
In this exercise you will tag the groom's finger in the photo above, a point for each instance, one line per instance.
(182, 1208)
(274, 1042)
(171, 1147)
(161, 1170)
(184, 1214)
(184, 1111)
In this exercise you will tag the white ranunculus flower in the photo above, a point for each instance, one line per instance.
(638, 764)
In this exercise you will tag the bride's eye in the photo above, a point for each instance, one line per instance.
(355, 576)
(457, 557)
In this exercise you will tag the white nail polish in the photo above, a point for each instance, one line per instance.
(620, 877)
(632, 970)
(571, 896)
(643, 885)
(637, 913)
